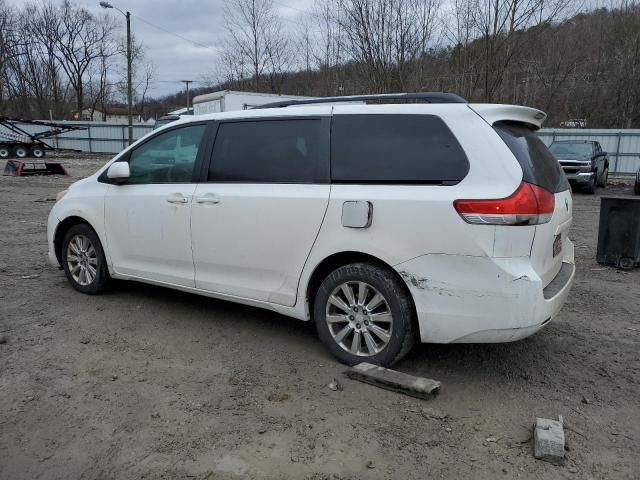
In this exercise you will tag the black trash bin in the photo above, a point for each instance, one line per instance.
(619, 232)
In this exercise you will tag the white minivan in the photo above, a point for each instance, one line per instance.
(383, 223)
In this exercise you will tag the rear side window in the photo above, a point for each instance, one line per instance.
(395, 149)
(270, 151)
(539, 166)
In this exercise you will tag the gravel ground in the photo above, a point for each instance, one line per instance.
(149, 382)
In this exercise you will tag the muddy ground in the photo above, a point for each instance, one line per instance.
(146, 382)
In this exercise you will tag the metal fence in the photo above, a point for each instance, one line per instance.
(623, 146)
(98, 138)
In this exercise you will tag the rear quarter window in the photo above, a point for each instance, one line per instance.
(538, 164)
(413, 149)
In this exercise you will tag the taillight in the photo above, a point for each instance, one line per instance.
(528, 205)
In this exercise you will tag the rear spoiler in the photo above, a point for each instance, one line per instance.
(493, 113)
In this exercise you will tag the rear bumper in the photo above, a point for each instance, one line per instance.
(461, 299)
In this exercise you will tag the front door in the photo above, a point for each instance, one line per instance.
(148, 218)
(255, 221)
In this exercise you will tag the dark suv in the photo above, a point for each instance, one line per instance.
(583, 162)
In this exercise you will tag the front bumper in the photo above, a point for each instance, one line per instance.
(582, 178)
(578, 172)
(52, 225)
(462, 299)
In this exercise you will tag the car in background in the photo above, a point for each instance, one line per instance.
(584, 163)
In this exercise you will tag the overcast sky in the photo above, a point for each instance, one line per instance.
(200, 21)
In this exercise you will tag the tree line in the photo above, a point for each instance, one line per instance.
(57, 60)
(542, 53)
(556, 55)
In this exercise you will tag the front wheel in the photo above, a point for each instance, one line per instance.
(591, 187)
(604, 178)
(363, 313)
(83, 260)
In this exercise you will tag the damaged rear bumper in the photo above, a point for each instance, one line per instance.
(464, 299)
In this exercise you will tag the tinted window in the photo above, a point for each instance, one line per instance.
(539, 166)
(395, 149)
(168, 157)
(270, 151)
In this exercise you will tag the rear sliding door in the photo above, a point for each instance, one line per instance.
(256, 218)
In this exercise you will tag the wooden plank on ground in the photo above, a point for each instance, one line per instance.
(393, 380)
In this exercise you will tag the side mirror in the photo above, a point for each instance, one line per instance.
(118, 172)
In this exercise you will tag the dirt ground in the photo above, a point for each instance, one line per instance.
(146, 382)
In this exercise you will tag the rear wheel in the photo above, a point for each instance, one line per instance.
(20, 151)
(5, 152)
(36, 151)
(363, 313)
(83, 260)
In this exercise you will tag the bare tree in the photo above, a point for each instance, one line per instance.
(8, 46)
(386, 37)
(256, 45)
(79, 42)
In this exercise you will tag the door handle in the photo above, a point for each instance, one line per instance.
(208, 198)
(177, 198)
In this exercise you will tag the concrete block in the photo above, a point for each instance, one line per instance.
(548, 438)
(388, 379)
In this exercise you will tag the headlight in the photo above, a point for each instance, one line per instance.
(61, 194)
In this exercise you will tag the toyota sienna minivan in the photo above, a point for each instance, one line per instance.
(439, 221)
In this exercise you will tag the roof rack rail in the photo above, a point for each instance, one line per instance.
(428, 97)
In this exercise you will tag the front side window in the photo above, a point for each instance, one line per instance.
(269, 151)
(167, 158)
(395, 149)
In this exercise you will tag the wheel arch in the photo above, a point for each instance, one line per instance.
(339, 259)
(62, 229)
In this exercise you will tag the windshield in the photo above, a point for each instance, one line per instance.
(580, 149)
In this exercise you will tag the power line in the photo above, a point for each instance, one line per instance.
(198, 44)
(289, 6)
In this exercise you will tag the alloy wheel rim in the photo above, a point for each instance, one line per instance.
(359, 318)
(82, 260)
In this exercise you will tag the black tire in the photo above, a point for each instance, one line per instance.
(626, 263)
(591, 188)
(5, 152)
(20, 151)
(403, 329)
(604, 178)
(101, 279)
(37, 151)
